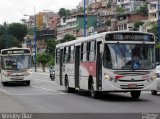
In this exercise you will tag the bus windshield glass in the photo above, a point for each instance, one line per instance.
(129, 56)
(16, 62)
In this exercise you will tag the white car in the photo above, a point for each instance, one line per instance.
(154, 92)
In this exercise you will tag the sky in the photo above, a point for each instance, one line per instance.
(14, 10)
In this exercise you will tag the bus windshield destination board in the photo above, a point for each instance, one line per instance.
(18, 51)
(129, 37)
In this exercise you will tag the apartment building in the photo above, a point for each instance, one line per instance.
(74, 25)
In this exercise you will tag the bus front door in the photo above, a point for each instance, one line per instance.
(99, 67)
(76, 67)
(61, 66)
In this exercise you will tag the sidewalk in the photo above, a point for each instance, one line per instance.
(39, 69)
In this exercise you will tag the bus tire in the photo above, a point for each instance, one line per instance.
(153, 92)
(4, 83)
(135, 94)
(27, 83)
(94, 94)
(68, 89)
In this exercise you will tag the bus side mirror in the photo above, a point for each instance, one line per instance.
(101, 48)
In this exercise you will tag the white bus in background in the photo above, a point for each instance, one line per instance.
(16, 65)
(105, 63)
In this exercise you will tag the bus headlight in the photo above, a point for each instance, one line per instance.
(28, 73)
(154, 77)
(106, 77)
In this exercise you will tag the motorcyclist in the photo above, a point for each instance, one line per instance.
(52, 72)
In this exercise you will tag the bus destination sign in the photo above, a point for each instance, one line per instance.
(129, 37)
(15, 51)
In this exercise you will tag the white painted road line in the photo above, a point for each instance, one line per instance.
(48, 89)
(40, 73)
(28, 94)
(4, 91)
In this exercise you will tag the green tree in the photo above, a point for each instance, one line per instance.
(69, 37)
(62, 12)
(68, 12)
(18, 30)
(51, 45)
(9, 40)
(2, 30)
(154, 29)
(119, 9)
(82, 10)
(109, 4)
(43, 59)
(30, 31)
(137, 25)
(142, 10)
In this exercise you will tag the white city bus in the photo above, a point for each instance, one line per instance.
(16, 65)
(105, 63)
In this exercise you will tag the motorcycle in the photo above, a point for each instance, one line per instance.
(52, 75)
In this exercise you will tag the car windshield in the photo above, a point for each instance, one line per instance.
(129, 56)
(18, 62)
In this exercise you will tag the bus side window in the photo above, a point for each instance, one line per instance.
(84, 52)
(92, 52)
(71, 54)
(57, 56)
(65, 55)
(107, 61)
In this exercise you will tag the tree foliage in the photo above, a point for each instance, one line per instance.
(51, 45)
(69, 37)
(64, 12)
(9, 41)
(81, 9)
(119, 9)
(18, 30)
(11, 35)
(43, 59)
(137, 25)
(154, 30)
(2, 30)
(142, 10)
(109, 4)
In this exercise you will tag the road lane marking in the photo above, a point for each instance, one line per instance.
(4, 91)
(48, 89)
(28, 94)
(41, 73)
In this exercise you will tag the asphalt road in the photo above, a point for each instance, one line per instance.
(45, 96)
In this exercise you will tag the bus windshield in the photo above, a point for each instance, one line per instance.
(16, 62)
(129, 56)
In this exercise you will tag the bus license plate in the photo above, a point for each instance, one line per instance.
(132, 85)
(19, 78)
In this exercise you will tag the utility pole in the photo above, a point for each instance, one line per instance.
(6, 34)
(85, 24)
(35, 41)
(158, 20)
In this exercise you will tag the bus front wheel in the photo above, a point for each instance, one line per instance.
(154, 92)
(68, 89)
(135, 94)
(94, 94)
(27, 83)
(4, 83)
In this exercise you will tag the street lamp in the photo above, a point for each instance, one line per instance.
(35, 41)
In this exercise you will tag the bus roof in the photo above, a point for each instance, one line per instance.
(14, 48)
(92, 37)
